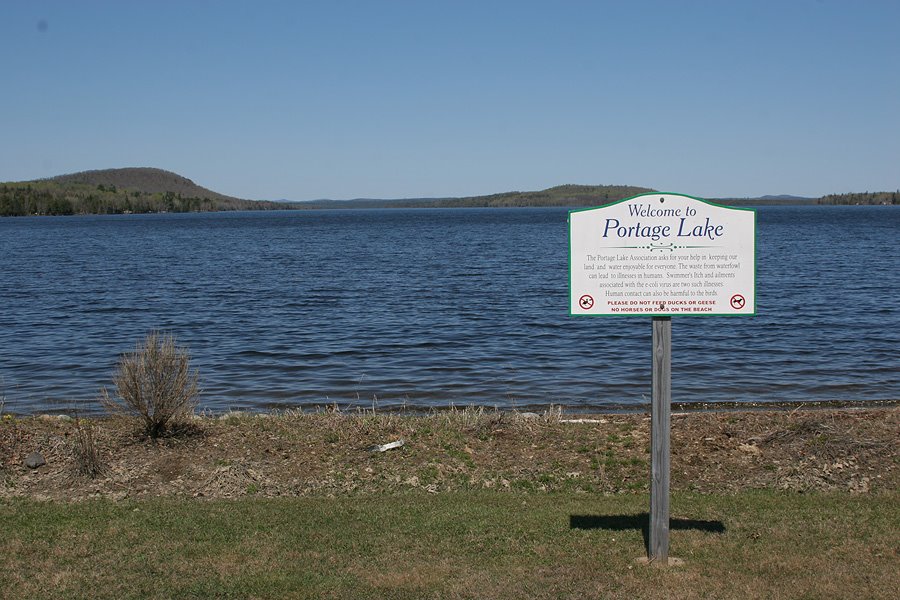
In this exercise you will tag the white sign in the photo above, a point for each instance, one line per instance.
(662, 254)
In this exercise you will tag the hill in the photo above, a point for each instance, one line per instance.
(561, 195)
(143, 179)
(118, 191)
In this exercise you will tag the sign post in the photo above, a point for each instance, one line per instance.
(660, 255)
(660, 426)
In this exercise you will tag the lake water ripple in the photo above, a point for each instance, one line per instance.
(427, 308)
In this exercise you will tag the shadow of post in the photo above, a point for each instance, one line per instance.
(640, 521)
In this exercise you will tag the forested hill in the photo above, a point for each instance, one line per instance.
(117, 191)
(562, 195)
(147, 180)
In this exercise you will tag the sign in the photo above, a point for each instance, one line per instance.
(662, 255)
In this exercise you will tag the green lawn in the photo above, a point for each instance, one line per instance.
(454, 545)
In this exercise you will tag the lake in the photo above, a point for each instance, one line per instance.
(428, 308)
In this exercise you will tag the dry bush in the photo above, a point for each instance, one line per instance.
(84, 450)
(155, 383)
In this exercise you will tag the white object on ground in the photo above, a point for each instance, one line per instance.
(386, 447)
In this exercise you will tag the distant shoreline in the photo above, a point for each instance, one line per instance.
(144, 190)
(401, 205)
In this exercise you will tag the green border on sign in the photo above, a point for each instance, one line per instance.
(578, 210)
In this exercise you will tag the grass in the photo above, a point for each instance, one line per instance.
(480, 544)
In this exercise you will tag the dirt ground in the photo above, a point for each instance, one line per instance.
(331, 453)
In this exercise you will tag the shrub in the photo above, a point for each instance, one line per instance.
(155, 383)
(84, 449)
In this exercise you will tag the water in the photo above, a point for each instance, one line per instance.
(429, 308)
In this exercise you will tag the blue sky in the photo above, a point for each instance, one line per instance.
(305, 100)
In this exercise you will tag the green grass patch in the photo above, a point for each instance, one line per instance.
(456, 545)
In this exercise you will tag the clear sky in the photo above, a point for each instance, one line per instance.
(333, 99)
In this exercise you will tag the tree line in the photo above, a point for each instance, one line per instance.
(47, 197)
(50, 198)
(862, 198)
(563, 195)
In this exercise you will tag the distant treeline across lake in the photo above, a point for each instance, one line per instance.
(148, 190)
(427, 308)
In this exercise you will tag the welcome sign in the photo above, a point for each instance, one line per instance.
(662, 255)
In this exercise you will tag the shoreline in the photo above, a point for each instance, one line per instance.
(407, 411)
(850, 450)
(338, 205)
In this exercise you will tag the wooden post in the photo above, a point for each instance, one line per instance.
(660, 422)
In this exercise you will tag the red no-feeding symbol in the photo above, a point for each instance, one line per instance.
(586, 302)
(737, 302)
